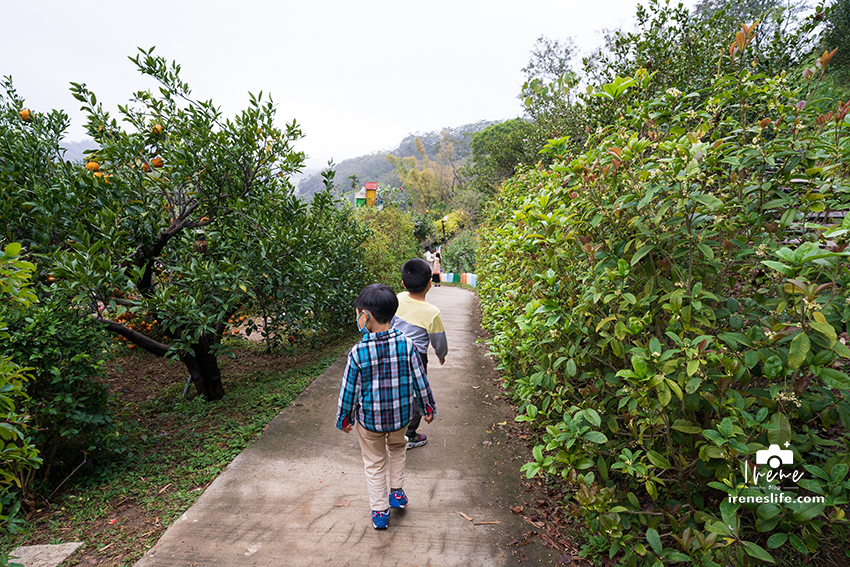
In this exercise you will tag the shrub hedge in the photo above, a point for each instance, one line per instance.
(675, 300)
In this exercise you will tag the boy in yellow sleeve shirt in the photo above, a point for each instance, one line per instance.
(420, 321)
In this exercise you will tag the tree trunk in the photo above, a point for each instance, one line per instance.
(203, 368)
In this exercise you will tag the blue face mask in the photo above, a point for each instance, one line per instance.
(362, 329)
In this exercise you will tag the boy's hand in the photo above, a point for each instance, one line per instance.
(442, 361)
(428, 418)
(347, 428)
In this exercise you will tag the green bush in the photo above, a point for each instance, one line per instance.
(458, 254)
(67, 401)
(389, 245)
(18, 454)
(675, 300)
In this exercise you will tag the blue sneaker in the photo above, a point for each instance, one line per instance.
(380, 520)
(398, 499)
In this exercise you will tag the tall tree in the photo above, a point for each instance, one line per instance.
(180, 219)
(421, 181)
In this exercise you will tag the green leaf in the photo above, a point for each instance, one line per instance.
(620, 330)
(753, 550)
(593, 416)
(840, 348)
(693, 384)
(13, 249)
(710, 200)
(706, 250)
(826, 330)
(779, 267)
(835, 378)
(654, 540)
(809, 511)
(798, 350)
(641, 253)
(658, 460)
(687, 427)
(781, 431)
(664, 394)
(788, 217)
(596, 437)
(734, 338)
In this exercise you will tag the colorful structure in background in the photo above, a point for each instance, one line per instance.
(467, 278)
(367, 196)
(371, 193)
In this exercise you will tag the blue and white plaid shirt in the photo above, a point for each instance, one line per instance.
(383, 378)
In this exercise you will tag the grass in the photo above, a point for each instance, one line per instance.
(120, 503)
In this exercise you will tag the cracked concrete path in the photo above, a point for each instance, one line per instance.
(297, 496)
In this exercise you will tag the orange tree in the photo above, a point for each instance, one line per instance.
(181, 220)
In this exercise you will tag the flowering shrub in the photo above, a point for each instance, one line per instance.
(676, 300)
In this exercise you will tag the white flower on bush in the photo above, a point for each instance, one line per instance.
(788, 397)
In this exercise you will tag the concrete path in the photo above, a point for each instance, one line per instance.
(298, 495)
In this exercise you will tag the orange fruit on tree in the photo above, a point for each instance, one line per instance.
(26, 115)
(98, 174)
(92, 166)
(146, 167)
(157, 162)
(157, 129)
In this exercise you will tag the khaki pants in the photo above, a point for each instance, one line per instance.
(378, 449)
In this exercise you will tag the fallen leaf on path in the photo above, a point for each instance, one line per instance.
(517, 509)
(465, 516)
(565, 559)
(342, 502)
(502, 423)
(535, 524)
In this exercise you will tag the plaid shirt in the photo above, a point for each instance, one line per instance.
(383, 378)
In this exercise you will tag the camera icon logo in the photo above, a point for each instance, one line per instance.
(774, 456)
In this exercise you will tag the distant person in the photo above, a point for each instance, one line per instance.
(429, 256)
(435, 270)
(384, 380)
(421, 322)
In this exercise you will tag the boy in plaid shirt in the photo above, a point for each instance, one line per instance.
(383, 381)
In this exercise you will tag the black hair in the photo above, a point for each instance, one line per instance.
(415, 274)
(379, 300)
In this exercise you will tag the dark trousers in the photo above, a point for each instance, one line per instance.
(417, 415)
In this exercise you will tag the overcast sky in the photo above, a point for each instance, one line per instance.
(358, 75)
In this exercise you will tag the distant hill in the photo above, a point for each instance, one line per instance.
(74, 150)
(375, 167)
